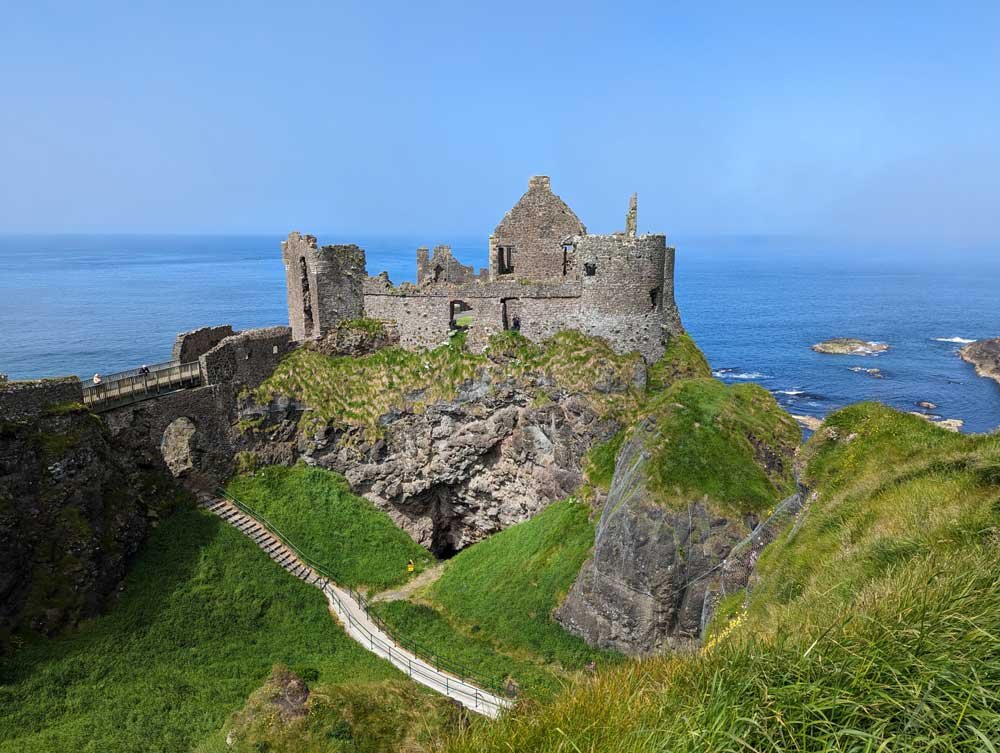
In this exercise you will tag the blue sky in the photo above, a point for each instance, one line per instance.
(854, 120)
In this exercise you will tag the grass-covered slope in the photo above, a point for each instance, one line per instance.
(728, 444)
(203, 617)
(490, 609)
(874, 626)
(317, 511)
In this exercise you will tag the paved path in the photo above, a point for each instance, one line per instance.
(355, 620)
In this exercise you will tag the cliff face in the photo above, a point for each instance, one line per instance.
(460, 469)
(73, 509)
(467, 446)
(690, 483)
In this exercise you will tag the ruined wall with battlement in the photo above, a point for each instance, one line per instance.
(546, 274)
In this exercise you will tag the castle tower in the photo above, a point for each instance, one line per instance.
(528, 242)
(324, 285)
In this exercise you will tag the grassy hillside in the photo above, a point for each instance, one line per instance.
(874, 625)
(203, 617)
(490, 609)
(316, 509)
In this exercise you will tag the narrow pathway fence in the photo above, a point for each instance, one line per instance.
(353, 611)
(124, 387)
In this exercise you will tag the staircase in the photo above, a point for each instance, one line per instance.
(352, 612)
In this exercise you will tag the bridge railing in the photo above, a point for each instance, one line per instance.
(131, 386)
(423, 653)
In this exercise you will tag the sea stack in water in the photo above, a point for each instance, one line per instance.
(850, 346)
(985, 356)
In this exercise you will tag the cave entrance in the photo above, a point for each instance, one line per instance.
(178, 446)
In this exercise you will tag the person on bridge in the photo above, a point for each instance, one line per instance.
(144, 369)
(97, 379)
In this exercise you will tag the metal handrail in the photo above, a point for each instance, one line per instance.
(430, 657)
(128, 388)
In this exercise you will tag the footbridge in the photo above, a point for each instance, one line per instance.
(352, 610)
(126, 387)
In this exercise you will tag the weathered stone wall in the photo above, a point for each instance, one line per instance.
(324, 284)
(24, 400)
(190, 346)
(212, 410)
(442, 266)
(536, 227)
(246, 359)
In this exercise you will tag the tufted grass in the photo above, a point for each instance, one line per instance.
(355, 391)
(874, 625)
(316, 509)
(203, 616)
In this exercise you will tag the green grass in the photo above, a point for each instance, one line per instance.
(355, 391)
(681, 360)
(874, 625)
(729, 445)
(491, 608)
(203, 617)
(358, 544)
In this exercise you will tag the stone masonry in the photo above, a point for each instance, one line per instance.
(546, 274)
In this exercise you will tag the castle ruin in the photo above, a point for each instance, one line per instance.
(546, 273)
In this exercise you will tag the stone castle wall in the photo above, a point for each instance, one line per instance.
(324, 284)
(190, 346)
(21, 401)
(246, 359)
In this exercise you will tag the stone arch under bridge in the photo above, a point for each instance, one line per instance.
(188, 433)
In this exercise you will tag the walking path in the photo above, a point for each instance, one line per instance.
(355, 619)
(409, 588)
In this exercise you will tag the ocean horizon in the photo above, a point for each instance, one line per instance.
(80, 304)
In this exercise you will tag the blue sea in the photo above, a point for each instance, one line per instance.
(85, 304)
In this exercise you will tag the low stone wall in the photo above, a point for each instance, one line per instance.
(190, 346)
(248, 358)
(20, 401)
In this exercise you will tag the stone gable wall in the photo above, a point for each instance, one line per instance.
(536, 227)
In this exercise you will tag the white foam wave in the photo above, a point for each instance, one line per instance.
(962, 340)
(733, 374)
(793, 393)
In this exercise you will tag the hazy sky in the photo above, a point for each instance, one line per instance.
(337, 118)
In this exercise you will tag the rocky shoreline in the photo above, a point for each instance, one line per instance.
(984, 355)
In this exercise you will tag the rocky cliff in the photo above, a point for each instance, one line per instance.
(455, 446)
(73, 509)
(690, 482)
(985, 356)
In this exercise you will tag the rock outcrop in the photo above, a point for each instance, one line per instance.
(74, 508)
(644, 587)
(850, 346)
(457, 470)
(985, 356)
(690, 483)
